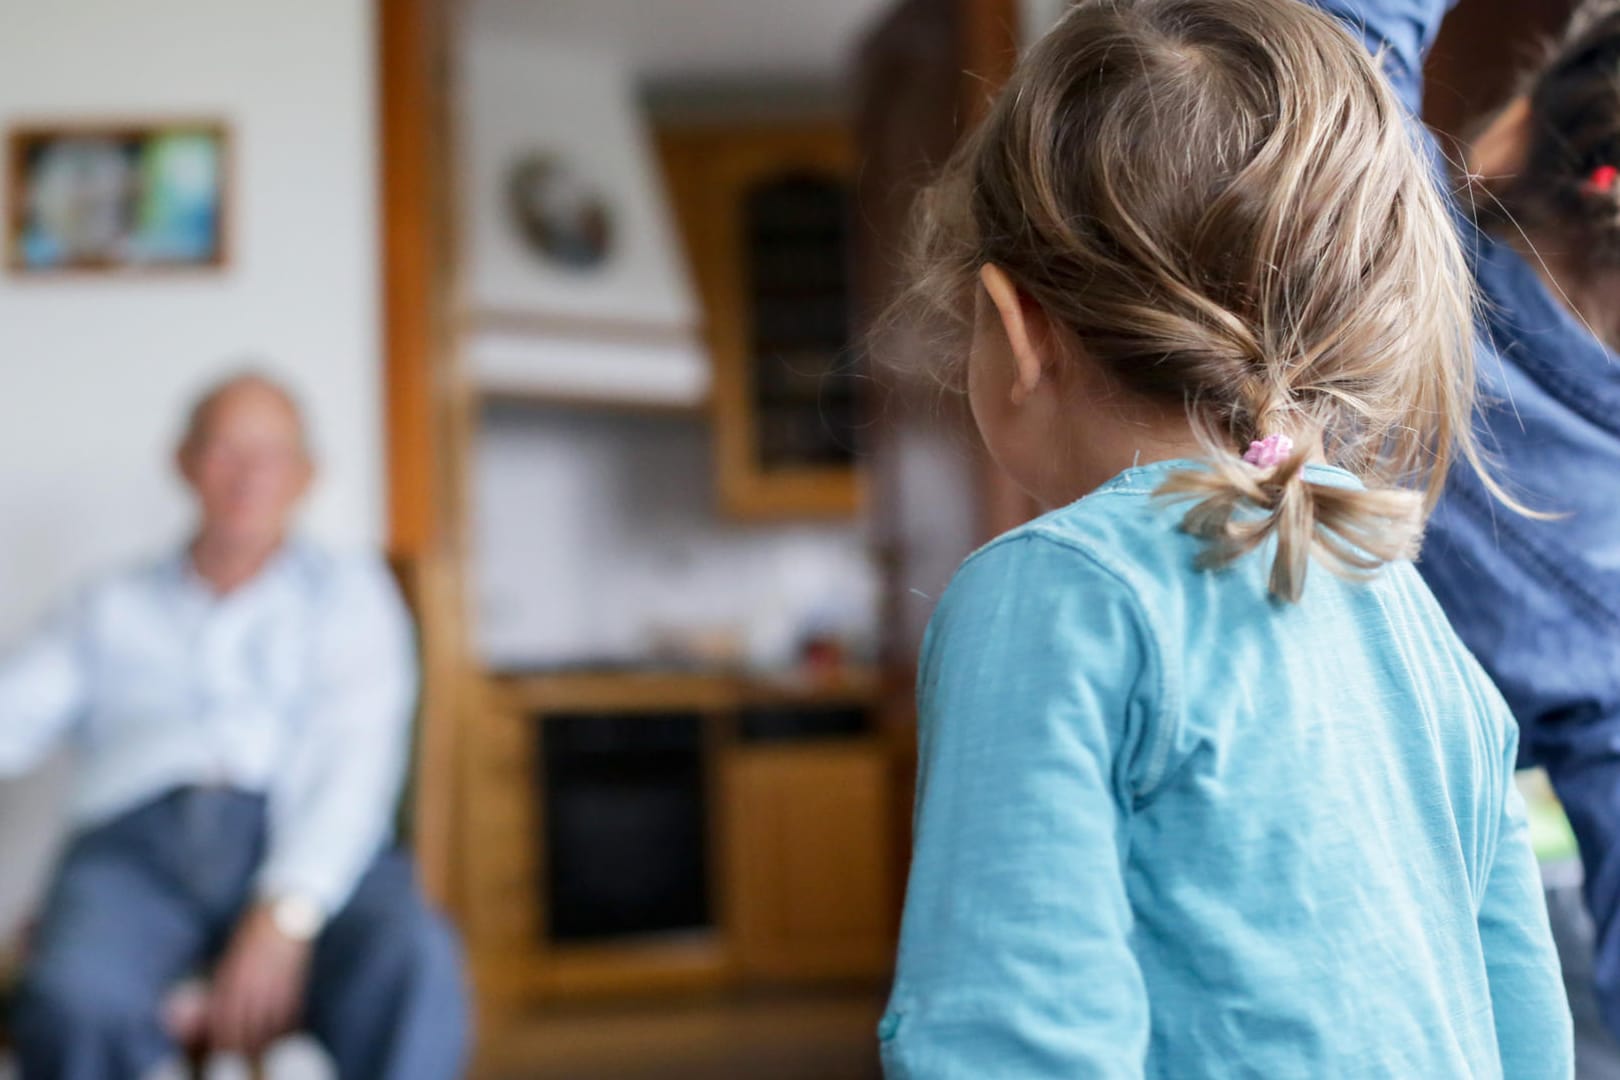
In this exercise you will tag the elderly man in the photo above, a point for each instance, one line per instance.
(242, 713)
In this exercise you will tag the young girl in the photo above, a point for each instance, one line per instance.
(1538, 600)
(1208, 787)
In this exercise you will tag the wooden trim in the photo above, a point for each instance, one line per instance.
(503, 857)
(800, 493)
(412, 113)
(679, 964)
(654, 691)
(21, 135)
(990, 41)
(427, 414)
(496, 394)
(427, 586)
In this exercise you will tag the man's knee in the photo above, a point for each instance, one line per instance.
(410, 943)
(439, 955)
(388, 931)
(440, 943)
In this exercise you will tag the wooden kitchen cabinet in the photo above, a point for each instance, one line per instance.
(811, 870)
(765, 214)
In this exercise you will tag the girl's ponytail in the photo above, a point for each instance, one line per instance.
(1238, 508)
(1241, 503)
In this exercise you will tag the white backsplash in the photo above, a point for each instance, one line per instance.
(594, 532)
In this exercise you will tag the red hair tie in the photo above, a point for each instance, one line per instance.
(1602, 180)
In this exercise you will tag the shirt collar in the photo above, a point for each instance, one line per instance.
(183, 573)
(1145, 479)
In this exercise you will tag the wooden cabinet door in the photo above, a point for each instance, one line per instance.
(811, 871)
(718, 177)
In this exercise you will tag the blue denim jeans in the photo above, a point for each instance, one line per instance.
(140, 902)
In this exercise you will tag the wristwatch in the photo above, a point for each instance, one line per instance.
(297, 917)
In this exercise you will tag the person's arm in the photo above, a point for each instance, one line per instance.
(42, 691)
(332, 805)
(1399, 32)
(1533, 1027)
(1014, 956)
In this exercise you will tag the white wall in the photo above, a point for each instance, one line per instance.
(94, 373)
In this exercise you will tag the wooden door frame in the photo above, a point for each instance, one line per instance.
(413, 129)
(427, 409)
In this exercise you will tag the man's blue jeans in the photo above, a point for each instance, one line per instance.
(140, 902)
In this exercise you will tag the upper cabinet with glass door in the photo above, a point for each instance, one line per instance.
(765, 213)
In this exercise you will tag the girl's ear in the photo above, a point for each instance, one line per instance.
(1029, 332)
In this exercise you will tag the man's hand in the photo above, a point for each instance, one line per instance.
(258, 989)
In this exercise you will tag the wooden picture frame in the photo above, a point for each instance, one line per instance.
(118, 197)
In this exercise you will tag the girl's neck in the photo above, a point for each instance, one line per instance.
(1564, 264)
(1119, 432)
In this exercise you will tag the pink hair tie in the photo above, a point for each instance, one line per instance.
(1269, 452)
(1602, 180)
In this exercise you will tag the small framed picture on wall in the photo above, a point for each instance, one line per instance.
(120, 197)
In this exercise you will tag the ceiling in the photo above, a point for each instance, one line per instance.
(671, 41)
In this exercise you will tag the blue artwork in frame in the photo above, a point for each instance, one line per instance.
(117, 197)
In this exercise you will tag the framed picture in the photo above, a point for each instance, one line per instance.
(560, 216)
(117, 197)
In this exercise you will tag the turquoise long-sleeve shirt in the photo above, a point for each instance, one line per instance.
(1168, 828)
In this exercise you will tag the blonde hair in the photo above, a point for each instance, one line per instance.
(1227, 207)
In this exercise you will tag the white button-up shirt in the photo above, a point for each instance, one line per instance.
(300, 684)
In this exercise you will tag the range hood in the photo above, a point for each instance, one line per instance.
(574, 284)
